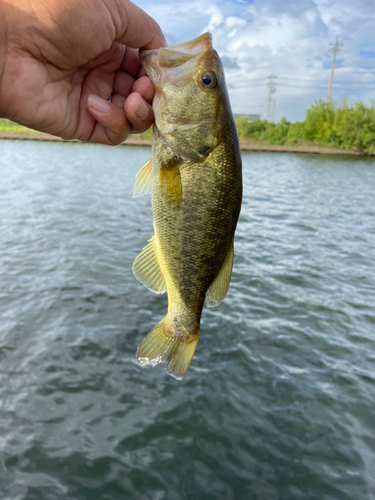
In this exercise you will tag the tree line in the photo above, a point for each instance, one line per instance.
(326, 124)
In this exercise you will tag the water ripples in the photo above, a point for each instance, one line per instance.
(278, 402)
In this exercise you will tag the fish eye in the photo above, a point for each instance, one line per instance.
(209, 80)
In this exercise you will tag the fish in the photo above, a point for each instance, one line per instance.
(195, 179)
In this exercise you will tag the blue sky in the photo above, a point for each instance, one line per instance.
(289, 39)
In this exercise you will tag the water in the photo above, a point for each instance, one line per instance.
(278, 403)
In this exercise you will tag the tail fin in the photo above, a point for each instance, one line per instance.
(164, 345)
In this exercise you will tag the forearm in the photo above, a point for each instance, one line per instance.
(3, 48)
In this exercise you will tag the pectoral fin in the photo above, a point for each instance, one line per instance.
(143, 177)
(219, 287)
(146, 269)
(170, 184)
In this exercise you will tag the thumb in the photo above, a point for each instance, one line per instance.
(137, 29)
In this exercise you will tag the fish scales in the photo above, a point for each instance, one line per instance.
(196, 184)
(193, 262)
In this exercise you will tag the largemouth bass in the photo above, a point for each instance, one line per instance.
(195, 178)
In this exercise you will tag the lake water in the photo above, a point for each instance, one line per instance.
(279, 402)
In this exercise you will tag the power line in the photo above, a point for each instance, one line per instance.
(310, 80)
(256, 79)
(336, 86)
(263, 78)
(323, 83)
(302, 86)
(304, 79)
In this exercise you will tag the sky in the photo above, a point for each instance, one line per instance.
(289, 39)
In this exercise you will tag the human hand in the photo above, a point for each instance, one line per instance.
(61, 62)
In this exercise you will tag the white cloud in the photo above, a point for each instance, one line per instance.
(290, 39)
(216, 18)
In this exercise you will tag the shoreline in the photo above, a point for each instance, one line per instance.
(245, 146)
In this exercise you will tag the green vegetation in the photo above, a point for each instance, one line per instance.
(325, 125)
(8, 126)
(15, 128)
(146, 135)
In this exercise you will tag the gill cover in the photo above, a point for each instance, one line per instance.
(190, 94)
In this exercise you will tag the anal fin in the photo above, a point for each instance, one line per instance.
(219, 287)
(146, 269)
(143, 178)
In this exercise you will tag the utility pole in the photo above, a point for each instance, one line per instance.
(334, 49)
(272, 89)
(273, 110)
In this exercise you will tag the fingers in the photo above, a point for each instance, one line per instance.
(116, 119)
(112, 125)
(131, 62)
(138, 112)
(123, 83)
(144, 87)
(138, 29)
(130, 107)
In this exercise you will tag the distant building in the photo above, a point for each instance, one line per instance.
(249, 117)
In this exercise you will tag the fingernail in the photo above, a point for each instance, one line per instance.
(99, 104)
(142, 110)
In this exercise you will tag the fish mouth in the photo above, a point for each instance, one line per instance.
(175, 63)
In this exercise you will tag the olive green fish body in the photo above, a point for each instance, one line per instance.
(195, 237)
(196, 185)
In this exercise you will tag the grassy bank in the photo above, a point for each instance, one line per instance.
(7, 126)
(326, 125)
